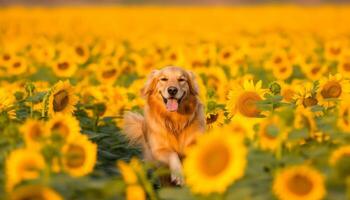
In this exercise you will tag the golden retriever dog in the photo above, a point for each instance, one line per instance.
(173, 118)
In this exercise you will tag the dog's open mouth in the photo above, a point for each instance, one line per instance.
(171, 103)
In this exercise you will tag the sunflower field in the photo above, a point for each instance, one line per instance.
(274, 81)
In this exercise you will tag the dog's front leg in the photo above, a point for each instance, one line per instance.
(176, 169)
(172, 159)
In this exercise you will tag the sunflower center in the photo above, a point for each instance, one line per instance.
(196, 63)
(60, 101)
(212, 118)
(226, 55)
(36, 132)
(309, 101)
(75, 156)
(173, 56)
(6, 57)
(214, 160)
(283, 69)
(346, 117)
(346, 66)
(33, 197)
(80, 51)
(63, 65)
(109, 73)
(16, 64)
(300, 185)
(247, 104)
(332, 89)
(30, 169)
(335, 51)
(271, 131)
(238, 129)
(277, 60)
(315, 69)
(61, 129)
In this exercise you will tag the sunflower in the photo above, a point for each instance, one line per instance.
(294, 56)
(150, 61)
(344, 65)
(79, 156)
(117, 100)
(215, 119)
(23, 164)
(135, 192)
(6, 103)
(64, 67)
(106, 47)
(344, 115)
(205, 53)
(107, 75)
(305, 96)
(62, 98)
(277, 59)
(305, 118)
(128, 173)
(174, 56)
(6, 58)
(81, 53)
(43, 51)
(232, 57)
(214, 77)
(271, 133)
(34, 133)
(226, 55)
(239, 126)
(299, 183)
(128, 67)
(332, 88)
(282, 71)
(314, 70)
(28, 192)
(287, 92)
(215, 162)
(340, 160)
(244, 99)
(334, 50)
(17, 66)
(62, 126)
(338, 154)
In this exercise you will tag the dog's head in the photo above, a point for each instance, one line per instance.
(171, 85)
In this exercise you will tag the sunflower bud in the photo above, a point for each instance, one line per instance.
(30, 87)
(275, 88)
(100, 108)
(45, 102)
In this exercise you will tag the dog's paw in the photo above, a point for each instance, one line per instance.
(177, 179)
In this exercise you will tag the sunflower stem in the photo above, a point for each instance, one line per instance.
(97, 118)
(279, 152)
(31, 105)
(148, 187)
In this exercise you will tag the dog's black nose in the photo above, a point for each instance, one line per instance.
(172, 91)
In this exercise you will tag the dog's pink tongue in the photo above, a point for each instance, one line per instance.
(172, 105)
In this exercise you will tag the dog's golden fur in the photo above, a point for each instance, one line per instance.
(164, 135)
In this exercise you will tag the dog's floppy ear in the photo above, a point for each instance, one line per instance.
(192, 83)
(150, 83)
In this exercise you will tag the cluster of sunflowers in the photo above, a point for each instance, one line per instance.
(274, 82)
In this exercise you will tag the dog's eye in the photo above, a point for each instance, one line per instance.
(163, 79)
(181, 79)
